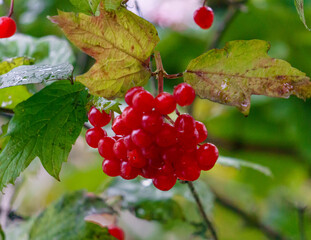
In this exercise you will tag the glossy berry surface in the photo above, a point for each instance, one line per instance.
(98, 119)
(202, 131)
(111, 167)
(143, 101)
(184, 94)
(207, 156)
(93, 136)
(115, 231)
(165, 103)
(130, 94)
(7, 27)
(164, 182)
(204, 17)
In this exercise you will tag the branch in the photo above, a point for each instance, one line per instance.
(250, 219)
(160, 71)
(202, 211)
(11, 9)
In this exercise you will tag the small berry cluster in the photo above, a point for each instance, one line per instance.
(149, 143)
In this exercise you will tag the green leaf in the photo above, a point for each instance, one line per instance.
(45, 126)
(86, 6)
(2, 235)
(36, 74)
(236, 163)
(106, 105)
(46, 50)
(120, 41)
(3, 138)
(112, 4)
(9, 64)
(300, 9)
(241, 69)
(65, 219)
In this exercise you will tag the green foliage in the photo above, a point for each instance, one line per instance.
(2, 235)
(44, 126)
(112, 4)
(120, 41)
(241, 69)
(9, 64)
(105, 105)
(86, 6)
(3, 138)
(300, 9)
(36, 74)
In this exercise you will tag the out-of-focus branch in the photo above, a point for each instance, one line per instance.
(301, 213)
(250, 219)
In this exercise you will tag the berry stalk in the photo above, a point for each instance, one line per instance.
(160, 71)
(11, 9)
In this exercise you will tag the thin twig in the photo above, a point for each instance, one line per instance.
(160, 71)
(173, 76)
(11, 9)
(250, 219)
(202, 211)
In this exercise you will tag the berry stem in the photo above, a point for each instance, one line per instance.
(173, 76)
(202, 211)
(204, 3)
(160, 71)
(11, 9)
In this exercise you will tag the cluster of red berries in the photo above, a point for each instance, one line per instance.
(7, 27)
(204, 17)
(149, 143)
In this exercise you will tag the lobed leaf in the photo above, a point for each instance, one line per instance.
(300, 9)
(241, 69)
(36, 74)
(87, 6)
(45, 126)
(120, 41)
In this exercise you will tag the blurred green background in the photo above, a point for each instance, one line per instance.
(276, 134)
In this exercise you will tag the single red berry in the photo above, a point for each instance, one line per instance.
(115, 231)
(105, 147)
(149, 172)
(186, 159)
(200, 127)
(184, 94)
(164, 182)
(152, 122)
(119, 126)
(112, 167)
(132, 118)
(120, 149)
(7, 27)
(141, 139)
(167, 169)
(136, 159)
(167, 136)
(130, 94)
(129, 143)
(189, 173)
(188, 140)
(207, 156)
(97, 118)
(93, 136)
(185, 124)
(129, 172)
(151, 152)
(143, 101)
(204, 17)
(165, 103)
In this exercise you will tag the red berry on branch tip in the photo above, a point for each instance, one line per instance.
(184, 94)
(204, 17)
(7, 27)
(93, 136)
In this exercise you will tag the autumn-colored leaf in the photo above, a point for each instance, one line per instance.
(241, 69)
(120, 41)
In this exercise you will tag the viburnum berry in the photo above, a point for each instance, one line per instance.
(93, 136)
(98, 119)
(184, 94)
(130, 94)
(115, 231)
(7, 27)
(119, 149)
(141, 138)
(167, 136)
(112, 167)
(164, 182)
(152, 122)
(119, 126)
(165, 103)
(128, 172)
(143, 101)
(207, 156)
(132, 118)
(200, 127)
(185, 124)
(204, 17)
(136, 158)
(105, 147)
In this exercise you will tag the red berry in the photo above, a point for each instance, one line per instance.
(132, 118)
(167, 136)
(120, 149)
(97, 118)
(207, 156)
(130, 94)
(184, 94)
(116, 232)
(152, 122)
(129, 143)
(111, 167)
(200, 127)
(186, 159)
(141, 139)
(188, 140)
(136, 159)
(204, 17)
(185, 124)
(149, 172)
(119, 126)
(128, 172)
(151, 152)
(7, 27)
(166, 169)
(189, 173)
(164, 182)
(93, 136)
(105, 147)
(165, 103)
(143, 101)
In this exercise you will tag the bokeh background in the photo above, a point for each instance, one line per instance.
(243, 203)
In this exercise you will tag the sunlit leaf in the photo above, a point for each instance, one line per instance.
(9, 64)
(300, 9)
(120, 41)
(87, 6)
(2, 235)
(106, 105)
(241, 69)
